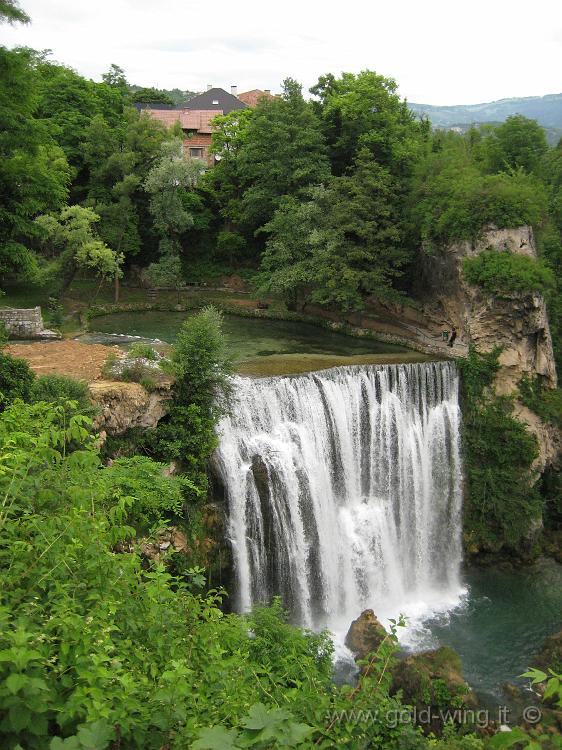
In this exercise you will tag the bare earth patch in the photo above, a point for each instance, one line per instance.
(80, 361)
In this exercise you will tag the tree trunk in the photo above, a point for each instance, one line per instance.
(116, 297)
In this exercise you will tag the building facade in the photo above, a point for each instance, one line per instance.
(195, 119)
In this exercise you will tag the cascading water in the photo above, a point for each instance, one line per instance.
(344, 490)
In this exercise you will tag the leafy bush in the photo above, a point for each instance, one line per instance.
(201, 367)
(153, 499)
(503, 272)
(16, 379)
(3, 335)
(143, 351)
(61, 389)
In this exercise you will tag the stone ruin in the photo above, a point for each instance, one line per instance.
(26, 324)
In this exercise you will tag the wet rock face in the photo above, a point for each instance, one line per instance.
(126, 405)
(365, 634)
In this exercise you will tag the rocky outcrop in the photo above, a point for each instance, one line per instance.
(125, 405)
(26, 324)
(516, 322)
(365, 635)
(168, 541)
(433, 680)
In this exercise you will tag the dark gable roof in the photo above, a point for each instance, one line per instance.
(226, 102)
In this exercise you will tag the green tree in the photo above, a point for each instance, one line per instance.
(11, 12)
(116, 78)
(342, 245)
(118, 161)
(201, 366)
(151, 96)
(282, 153)
(72, 237)
(67, 104)
(518, 143)
(168, 183)
(363, 110)
(34, 174)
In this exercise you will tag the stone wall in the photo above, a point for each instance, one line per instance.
(25, 323)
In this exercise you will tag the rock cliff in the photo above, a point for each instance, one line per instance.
(516, 322)
(126, 405)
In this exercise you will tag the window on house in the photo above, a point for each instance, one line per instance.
(196, 153)
(215, 101)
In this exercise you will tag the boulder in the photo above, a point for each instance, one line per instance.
(432, 681)
(550, 655)
(365, 634)
(125, 405)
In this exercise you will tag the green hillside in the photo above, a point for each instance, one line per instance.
(546, 110)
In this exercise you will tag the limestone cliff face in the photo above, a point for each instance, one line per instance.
(125, 405)
(516, 322)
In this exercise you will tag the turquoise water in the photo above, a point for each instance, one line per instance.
(501, 625)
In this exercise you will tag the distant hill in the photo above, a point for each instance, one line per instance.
(546, 110)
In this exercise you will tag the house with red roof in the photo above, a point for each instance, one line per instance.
(195, 119)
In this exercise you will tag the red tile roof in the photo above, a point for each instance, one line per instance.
(251, 98)
(189, 119)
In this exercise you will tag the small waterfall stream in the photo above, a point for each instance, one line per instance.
(344, 490)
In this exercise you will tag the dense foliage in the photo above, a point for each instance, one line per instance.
(503, 505)
(504, 272)
(200, 365)
(60, 389)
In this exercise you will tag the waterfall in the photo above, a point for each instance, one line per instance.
(344, 490)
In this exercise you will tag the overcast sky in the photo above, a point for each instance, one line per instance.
(439, 51)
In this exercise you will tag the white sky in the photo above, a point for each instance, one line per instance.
(439, 51)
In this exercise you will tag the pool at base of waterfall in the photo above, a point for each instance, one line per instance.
(497, 625)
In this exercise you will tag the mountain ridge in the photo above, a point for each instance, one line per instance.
(546, 110)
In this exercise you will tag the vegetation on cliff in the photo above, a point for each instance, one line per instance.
(503, 507)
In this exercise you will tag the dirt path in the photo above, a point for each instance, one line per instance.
(80, 361)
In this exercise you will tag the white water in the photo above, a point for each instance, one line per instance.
(359, 501)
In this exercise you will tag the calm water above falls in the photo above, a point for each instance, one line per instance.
(247, 337)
